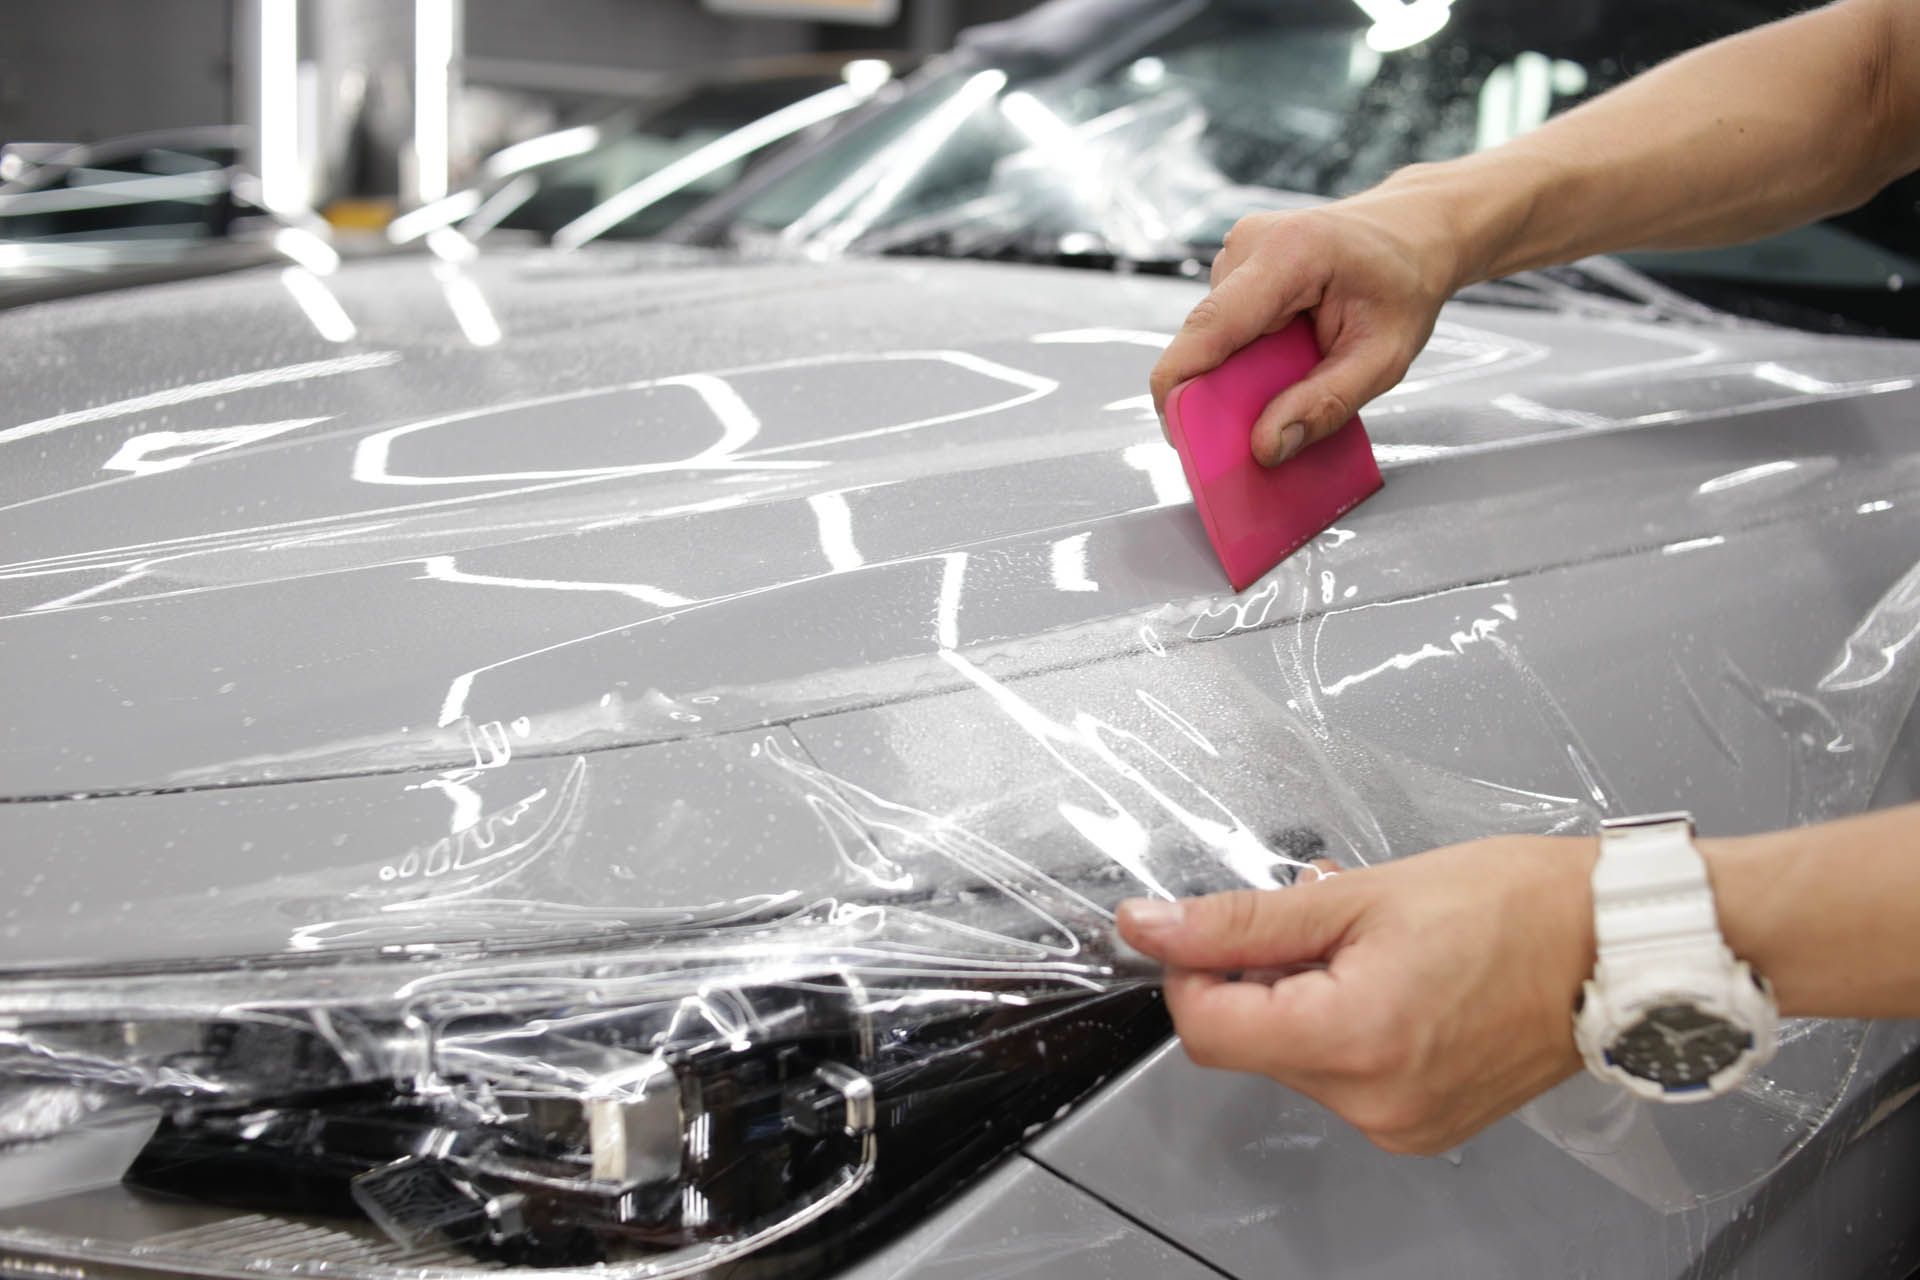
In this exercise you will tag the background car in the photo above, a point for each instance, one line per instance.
(132, 210)
(627, 758)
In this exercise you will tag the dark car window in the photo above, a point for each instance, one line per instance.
(1149, 139)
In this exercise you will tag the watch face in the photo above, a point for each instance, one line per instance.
(1677, 1046)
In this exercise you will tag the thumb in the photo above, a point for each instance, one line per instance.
(1255, 298)
(1326, 399)
(1246, 928)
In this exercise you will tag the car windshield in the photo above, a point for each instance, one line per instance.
(1114, 130)
(642, 141)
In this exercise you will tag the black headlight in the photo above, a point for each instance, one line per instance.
(659, 1110)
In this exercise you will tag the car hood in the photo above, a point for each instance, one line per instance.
(328, 596)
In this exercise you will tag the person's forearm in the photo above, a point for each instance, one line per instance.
(1829, 914)
(1737, 140)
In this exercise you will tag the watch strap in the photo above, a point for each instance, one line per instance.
(1650, 889)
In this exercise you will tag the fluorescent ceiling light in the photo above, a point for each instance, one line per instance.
(866, 75)
(433, 23)
(277, 63)
(1401, 24)
(1147, 72)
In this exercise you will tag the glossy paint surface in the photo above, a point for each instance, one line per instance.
(310, 559)
(420, 607)
(1024, 1223)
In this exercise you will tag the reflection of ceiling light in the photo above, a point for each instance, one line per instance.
(449, 245)
(412, 225)
(882, 180)
(1747, 475)
(329, 319)
(544, 149)
(866, 75)
(1147, 72)
(468, 304)
(1401, 24)
(307, 249)
(515, 192)
(701, 161)
(1037, 120)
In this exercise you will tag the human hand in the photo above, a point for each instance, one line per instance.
(1445, 1002)
(1372, 269)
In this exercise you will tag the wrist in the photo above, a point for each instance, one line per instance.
(1577, 897)
(1487, 210)
(1469, 211)
(1746, 873)
(1561, 907)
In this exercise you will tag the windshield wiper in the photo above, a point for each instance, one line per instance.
(990, 227)
(1086, 260)
(1596, 285)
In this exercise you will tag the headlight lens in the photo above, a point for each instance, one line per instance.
(657, 1112)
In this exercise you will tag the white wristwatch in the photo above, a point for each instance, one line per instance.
(1669, 1013)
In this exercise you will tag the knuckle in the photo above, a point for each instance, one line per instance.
(1239, 915)
(1307, 226)
(1207, 313)
(1247, 227)
(1333, 410)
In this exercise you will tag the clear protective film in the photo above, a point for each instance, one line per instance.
(499, 1048)
(660, 807)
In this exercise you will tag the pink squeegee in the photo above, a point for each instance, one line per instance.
(1258, 516)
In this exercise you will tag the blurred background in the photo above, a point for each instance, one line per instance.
(146, 140)
(348, 79)
(359, 107)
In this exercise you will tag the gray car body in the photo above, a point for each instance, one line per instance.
(294, 627)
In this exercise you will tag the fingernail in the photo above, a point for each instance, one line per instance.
(1151, 916)
(1290, 437)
